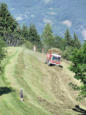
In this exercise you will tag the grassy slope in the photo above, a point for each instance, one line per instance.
(46, 90)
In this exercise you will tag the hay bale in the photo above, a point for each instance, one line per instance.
(55, 50)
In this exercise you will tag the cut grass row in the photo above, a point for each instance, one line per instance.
(25, 69)
(10, 103)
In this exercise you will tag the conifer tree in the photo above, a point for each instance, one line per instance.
(59, 42)
(2, 52)
(68, 38)
(77, 43)
(25, 32)
(47, 37)
(34, 37)
(7, 23)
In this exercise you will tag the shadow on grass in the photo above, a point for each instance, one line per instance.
(5, 90)
(80, 110)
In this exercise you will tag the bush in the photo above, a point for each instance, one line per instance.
(28, 44)
(2, 53)
(67, 53)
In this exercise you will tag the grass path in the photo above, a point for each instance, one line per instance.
(46, 89)
(10, 103)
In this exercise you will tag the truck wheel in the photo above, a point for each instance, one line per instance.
(60, 66)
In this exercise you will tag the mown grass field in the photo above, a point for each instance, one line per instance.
(46, 89)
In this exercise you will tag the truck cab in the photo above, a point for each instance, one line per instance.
(53, 59)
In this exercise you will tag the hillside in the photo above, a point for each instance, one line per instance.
(46, 89)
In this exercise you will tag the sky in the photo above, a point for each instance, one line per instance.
(61, 14)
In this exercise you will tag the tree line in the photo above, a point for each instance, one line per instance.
(14, 35)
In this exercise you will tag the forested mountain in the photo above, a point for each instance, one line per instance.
(14, 34)
(61, 14)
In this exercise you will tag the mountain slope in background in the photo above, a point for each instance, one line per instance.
(59, 13)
